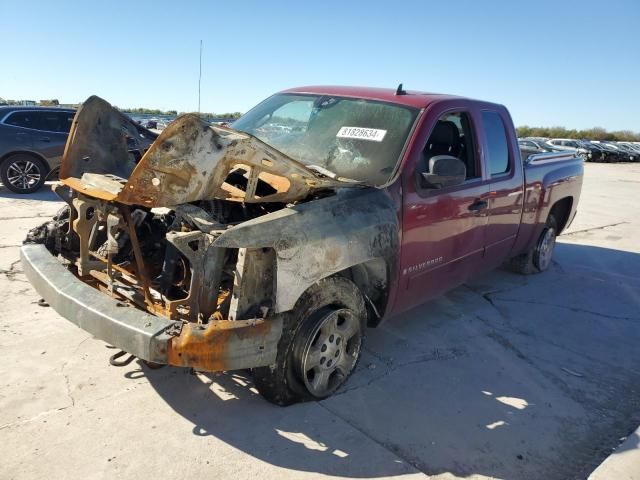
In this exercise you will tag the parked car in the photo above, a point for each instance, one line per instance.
(531, 147)
(252, 247)
(613, 154)
(635, 148)
(594, 153)
(32, 141)
(625, 153)
(570, 145)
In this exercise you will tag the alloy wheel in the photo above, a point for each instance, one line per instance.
(545, 248)
(330, 352)
(23, 174)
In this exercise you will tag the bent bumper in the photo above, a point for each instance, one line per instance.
(218, 346)
(128, 328)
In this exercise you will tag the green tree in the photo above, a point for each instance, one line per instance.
(595, 133)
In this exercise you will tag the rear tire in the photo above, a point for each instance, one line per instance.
(23, 173)
(539, 258)
(320, 344)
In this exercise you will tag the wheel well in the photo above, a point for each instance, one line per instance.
(561, 211)
(372, 279)
(31, 154)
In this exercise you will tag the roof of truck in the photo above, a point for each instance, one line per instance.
(411, 98)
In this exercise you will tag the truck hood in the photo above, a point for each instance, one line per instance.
(190, 161)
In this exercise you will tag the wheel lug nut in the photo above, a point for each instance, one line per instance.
(337, 353)
(338, 341)
(331, 338)
(323, 348)
(329, 363)
(322, 360)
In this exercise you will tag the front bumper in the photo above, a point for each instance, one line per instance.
(218, 346)
(128, 328)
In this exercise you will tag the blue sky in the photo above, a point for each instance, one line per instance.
(575, 64)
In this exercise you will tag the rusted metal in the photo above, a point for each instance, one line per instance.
(99, 141)
(226, 344)
(140, 268)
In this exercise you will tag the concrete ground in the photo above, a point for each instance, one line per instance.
(506, 377)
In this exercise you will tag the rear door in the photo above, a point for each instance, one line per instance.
(51, 136)
(443, 229)
(505, 171)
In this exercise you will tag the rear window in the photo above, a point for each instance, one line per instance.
(498, 151)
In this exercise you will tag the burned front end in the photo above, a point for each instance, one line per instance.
(189, 255)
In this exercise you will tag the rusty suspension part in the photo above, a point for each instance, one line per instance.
(137, 253)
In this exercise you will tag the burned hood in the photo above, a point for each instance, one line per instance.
(190, 161)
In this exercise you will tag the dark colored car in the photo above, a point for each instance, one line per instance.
(272, 244)
(626, 153)
(594, 153)
(32, 141)
(612, 153)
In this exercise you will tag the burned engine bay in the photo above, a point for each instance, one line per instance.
(211, 225)
(159, 259)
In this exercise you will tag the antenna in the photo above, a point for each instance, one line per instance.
(200, 76)
(400, 90)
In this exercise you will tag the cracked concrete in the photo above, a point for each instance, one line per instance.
(506, 377)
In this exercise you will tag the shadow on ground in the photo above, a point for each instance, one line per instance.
(508, 377)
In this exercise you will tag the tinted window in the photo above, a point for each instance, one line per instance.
(21, 119)
(498, 152)
(50, 121)
(66, 120)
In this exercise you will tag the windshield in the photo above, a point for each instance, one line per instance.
(352, 138)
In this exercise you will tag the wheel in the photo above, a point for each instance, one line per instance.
(23, 173)
(320, 345)
(539, 258)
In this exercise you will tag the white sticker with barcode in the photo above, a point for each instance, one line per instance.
(359, 133)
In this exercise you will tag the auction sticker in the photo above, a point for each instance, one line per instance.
(371, 134)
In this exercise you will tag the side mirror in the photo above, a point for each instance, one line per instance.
(444, 171)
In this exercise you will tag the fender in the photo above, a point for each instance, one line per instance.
(317, 239)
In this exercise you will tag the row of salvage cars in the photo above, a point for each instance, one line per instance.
(590, 151)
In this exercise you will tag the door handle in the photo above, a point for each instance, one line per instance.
(478, 205)
(45, 139)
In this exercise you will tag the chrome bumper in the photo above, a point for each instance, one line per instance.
(125, 327)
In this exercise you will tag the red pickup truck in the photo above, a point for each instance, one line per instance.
(274, 243)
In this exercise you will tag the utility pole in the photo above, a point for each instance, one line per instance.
(200, 76)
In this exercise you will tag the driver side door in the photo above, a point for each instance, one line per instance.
(443, 229)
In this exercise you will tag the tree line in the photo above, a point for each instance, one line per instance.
(595, 133)
(156, 111)
(143, 111)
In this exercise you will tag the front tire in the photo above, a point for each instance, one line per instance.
(23, 173)
(320, 345)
